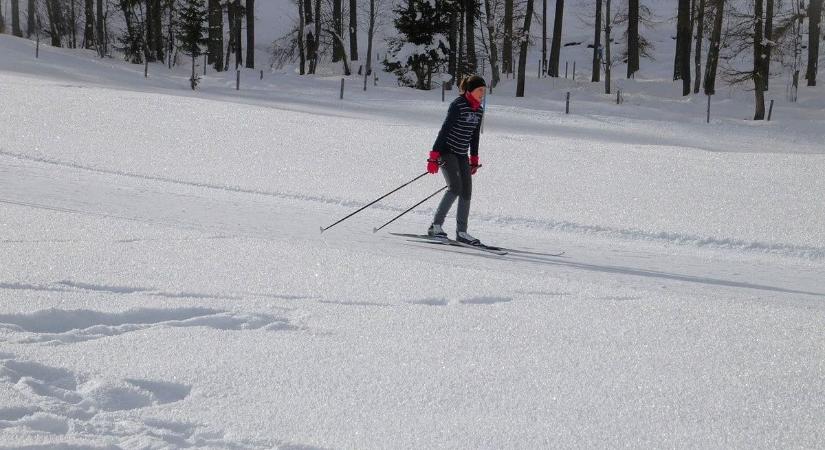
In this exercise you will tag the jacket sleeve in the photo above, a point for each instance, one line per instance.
(476, 136)
(452, 116)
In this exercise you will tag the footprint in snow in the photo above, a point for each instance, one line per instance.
(56, 404)
(59, 326)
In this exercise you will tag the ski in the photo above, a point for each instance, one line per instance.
(483, 248)
(446, 241)
(534, 254)
(429, 238)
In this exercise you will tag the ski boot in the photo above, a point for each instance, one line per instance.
(465, 238)
(435, 231)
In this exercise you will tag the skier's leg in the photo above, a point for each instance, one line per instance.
(466, 194)
(450, 169)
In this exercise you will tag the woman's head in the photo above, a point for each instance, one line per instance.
(474, 85)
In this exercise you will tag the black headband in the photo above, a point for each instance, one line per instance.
(474, 83)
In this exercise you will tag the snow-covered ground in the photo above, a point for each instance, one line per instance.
(163, 281)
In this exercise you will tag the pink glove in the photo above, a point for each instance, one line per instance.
(432, 162)
(474, 165)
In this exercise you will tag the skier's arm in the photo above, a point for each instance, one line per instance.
(476, 136)
(452, 115)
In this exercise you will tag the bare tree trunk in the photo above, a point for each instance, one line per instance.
(317, 45)
(301, 36)
(555, 48)
(215, 47)
(815, 18)
(53, 11)
(234, 16)
(15, 18)
(239, 16)
(353, 30)
(63, 8)
(135, 48)
(250, 33)
(768, 46)
(156, 24)
(713, 48)
(452, 62)
(493, 51)
(796, 27)
(682, 16)
(73, 23)
(544, 36)
(507, 50)
(344, 58)
(101, 35)
(608, 62)
(307, 9)
(309, 35)
(230, 47)
(89, 27)
(632, 38)
(700, 36)
(758, 61)
(2, 19)
(149, 31)
(683, 39)
(338, 28)
(470, 28)
(460, 64)
(597, 43)
(524, 42)
(370, 36)
(171, 33)
(30, 19)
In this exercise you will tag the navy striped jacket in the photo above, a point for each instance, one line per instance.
(460, 131)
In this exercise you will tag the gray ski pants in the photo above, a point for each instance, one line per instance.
(456, 170)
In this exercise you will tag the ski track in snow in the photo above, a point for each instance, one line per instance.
(790, 250)
(627, 270)
(115, 189)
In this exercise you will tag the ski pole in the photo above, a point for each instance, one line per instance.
(484, 113)
(373, 202)
(375, 230)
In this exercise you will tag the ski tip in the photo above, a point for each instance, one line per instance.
(375, 230)
(322, 230)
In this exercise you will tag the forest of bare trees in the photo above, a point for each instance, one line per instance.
(738, 41)
(140, 30)
(429, 42)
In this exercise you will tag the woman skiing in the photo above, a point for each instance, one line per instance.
(456, 152)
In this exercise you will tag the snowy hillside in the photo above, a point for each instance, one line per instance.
(163, 281)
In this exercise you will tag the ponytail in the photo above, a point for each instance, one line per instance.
(469, 83)
(462, 84)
